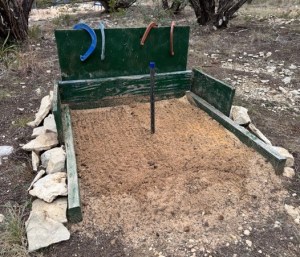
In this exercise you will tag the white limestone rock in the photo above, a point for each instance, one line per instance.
(57, 210)
(54, 160)
(43, 231)
(5, 150)
(1, 218)
(240, 115)
(287, 80)
(38, 131)
(42, 142)
(35, 160)
(249, 243)
(49, 124)
(285, 153)
(293, 212)
(283, 90)
(50, 186)
(37, 177)
(288, 172)
(246, 232)
(45, 107)
(259, 134)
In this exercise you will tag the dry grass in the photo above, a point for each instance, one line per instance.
(276, 2)
(12, 236)
(4, 93)
(8, 52)
(258, 37)
(285, 9)
(22, 122)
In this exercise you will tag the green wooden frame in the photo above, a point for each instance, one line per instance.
(243, 134)
(87, 91)
(97, 83)
(74, 205)
(216, 92)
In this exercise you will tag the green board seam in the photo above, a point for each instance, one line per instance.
(93, 90)
(134, 77)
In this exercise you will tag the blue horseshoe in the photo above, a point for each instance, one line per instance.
(101, 26)
(93, 36)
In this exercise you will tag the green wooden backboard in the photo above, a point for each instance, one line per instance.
(124, 56)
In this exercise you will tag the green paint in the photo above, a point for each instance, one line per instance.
(168, 84)
(215, 92)
(243, 134)
(74, 208)
(56, 109)
(124, 56)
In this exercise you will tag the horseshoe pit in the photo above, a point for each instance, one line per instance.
(192, 183)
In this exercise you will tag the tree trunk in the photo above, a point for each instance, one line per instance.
(206, 11)
(14, 18)
(165, 4)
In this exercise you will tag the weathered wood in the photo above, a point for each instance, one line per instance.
(215, 92)
(56, 109)
(243, 134)
(74, 207)
(124, 56)
(167, 84)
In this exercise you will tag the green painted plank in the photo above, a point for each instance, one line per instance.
(74, 207)
(167, 84)
(122, 100)
(215, 92)
(56, 109)
(124, 56)
(243, 134)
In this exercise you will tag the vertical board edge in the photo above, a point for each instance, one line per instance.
(74, 205)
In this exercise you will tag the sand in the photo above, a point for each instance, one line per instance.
(187, 187)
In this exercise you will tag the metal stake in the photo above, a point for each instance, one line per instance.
(152, 99)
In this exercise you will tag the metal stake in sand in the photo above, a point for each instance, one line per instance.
(152, 99)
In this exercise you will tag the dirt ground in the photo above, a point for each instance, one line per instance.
(233, 55)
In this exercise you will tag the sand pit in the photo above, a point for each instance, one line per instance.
(190, 185)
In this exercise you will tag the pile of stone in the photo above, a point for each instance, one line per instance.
(240, 116)
(45, 223)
